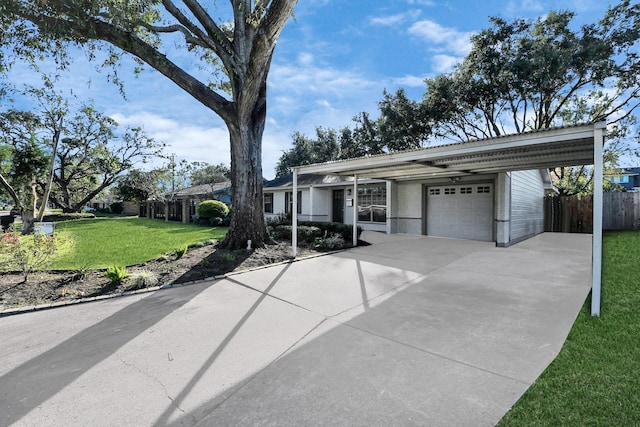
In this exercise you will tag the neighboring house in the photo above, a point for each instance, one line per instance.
(467, 207)
(629, 178)
(182, 207)
(218, 191)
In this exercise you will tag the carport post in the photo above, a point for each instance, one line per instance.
(596, 263)
(355, 210)
(294, 214)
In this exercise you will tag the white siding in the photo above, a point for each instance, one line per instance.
(527, 209)
(408, 215)
(321, 205)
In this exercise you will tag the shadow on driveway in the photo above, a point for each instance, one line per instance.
(32, 383)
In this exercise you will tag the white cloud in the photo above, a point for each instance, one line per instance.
(444, 63)
(392, 20)
(410, 81)
(524, 8)
(307, 93)
(188, 142)
(442, 38)
(428, 3)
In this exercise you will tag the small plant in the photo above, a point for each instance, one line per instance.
(27, 253)
(82, 270)
(181, 251)
(143, 279)
(229, 257)
(116, 274)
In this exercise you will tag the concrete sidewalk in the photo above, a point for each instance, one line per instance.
(409, 331)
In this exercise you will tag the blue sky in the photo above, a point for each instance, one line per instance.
(333, 60)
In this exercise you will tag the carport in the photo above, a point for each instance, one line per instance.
(566, 146)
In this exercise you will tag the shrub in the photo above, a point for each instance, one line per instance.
(143, 279)
(215, 221)
(280, 219)
(26, 253)
(116, 274)
(68, 216)
(306, 234)
(326, 228)
(332, 242)
(226, 221)
(116, 207)
(344, 230)
(212, 209)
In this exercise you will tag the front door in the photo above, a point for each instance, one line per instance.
(338, 206)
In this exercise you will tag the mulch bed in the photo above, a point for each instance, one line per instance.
(196, 264)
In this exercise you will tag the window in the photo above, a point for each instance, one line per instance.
(434, 191)
(466, 190)
(620, 179)
(484, 189)
(268, 202)
(372, 203)
(449, 191)
(288, 202)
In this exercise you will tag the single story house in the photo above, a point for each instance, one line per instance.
(490, 189)
(182, 206)
(503, 207)
(217, 191)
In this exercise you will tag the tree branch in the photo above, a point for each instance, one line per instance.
(213, 39)
(83, 26)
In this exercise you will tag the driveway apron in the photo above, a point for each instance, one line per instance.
(411, 330)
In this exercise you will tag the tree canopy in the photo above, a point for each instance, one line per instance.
(522, 75)
(234, 55)
(64, 153)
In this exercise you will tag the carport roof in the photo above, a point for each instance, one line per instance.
(565, 146)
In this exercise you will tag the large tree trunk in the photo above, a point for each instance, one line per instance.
(247, 222)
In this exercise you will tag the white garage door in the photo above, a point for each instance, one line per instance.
(461, 211)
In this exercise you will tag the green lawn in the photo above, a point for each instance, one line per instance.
(595, 380)
(105, 242)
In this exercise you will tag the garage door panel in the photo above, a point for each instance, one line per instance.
(460, 211)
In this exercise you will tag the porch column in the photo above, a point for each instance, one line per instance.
(185, 210)
(355, 210)
(294, 214)
(596, 264)
(311, 196)
(388, 201)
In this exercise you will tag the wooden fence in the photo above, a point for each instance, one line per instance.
(620, 211)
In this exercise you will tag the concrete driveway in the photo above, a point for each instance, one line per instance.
(408, 331)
